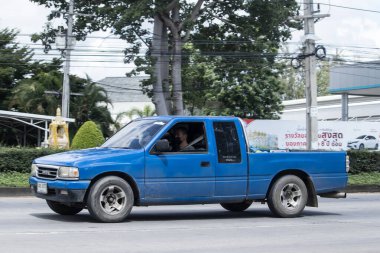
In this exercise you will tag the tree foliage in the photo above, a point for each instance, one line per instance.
(245, 50)
(323, 78)
(30, 96)
(88, 136)
(293, 81)
(15, 63)
(24, 82)
(254, 27)
(200, 81)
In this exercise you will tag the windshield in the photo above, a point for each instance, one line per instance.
(361, 137)
(135, 135)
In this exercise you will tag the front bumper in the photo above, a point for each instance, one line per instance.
(61, 190)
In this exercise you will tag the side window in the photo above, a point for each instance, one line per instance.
(187, 137)
(227, 142)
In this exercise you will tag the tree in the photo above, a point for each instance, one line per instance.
(15, 63)
(88, 136)
(293, 83)
(127, 19)
(175, 23)
(245, 49)
(29, 96)
(92, 105)
(199, 81)
(323, 78)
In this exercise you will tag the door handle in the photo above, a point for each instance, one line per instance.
(205, 164)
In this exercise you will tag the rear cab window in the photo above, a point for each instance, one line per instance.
(227, 142)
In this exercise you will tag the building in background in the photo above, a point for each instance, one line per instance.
(360, 108)
(125, 93)
(361, 79)
(355, 90)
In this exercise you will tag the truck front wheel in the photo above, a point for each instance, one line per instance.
(110, 199)
(287, 197)
(237, 207)
(62, 208)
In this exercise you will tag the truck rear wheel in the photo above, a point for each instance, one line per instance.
(237, 207)
(62, 208)
(110, 199)
(287, 197)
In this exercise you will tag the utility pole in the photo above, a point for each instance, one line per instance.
(310, 74)
(66, 69)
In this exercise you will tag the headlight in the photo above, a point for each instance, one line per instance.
(68, 172)
(33, 170)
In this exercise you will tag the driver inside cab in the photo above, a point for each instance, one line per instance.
(181, 140)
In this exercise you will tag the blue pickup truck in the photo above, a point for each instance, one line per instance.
(185, 160)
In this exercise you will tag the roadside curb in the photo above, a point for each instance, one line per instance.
(363, 188)
(25, 191)
(15, 191)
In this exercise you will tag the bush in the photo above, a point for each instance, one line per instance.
(88, 136)
(364, 161)
(20, 159)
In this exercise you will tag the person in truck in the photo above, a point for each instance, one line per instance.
(181, 139)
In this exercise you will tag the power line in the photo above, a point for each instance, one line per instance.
(349, 7)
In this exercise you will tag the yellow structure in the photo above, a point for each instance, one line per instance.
(59, 132)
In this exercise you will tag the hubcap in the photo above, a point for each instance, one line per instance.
(291, 196)
(112, 199)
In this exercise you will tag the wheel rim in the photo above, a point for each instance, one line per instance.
(113, 200)
(291, 196)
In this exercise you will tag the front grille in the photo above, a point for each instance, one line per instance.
(47, 172)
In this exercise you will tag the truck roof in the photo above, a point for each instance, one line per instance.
(170, 117)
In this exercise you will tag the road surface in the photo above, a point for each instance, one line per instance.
(342, 225)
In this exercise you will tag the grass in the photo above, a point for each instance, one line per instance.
(14, 179)
(365, 178)
(17, 179)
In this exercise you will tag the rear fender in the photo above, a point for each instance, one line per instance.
(312, 199)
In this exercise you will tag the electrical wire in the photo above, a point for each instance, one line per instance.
(349, 7)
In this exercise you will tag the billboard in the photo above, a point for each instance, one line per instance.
(332, 135)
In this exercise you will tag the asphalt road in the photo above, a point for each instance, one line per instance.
(343, 225)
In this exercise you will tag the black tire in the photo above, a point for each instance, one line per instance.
(376, 146)
(110, 199)
(288, 197)
(361, 146)
(237, 207)
(62, 208)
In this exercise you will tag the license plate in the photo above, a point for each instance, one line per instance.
(42, 188)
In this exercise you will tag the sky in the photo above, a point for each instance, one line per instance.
(348, 32)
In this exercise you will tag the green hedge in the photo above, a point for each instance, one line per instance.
(88, 136)
(20, 159)
(364, 161)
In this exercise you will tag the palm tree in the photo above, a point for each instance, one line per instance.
(147, 111)
(29, 96)
(92, 106)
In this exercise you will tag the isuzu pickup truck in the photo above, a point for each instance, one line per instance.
(185, 160)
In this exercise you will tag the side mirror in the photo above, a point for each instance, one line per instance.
(162, 146)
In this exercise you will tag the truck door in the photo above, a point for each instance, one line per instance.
(231, 172)
(181, 174)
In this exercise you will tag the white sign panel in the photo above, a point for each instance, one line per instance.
(332, 135)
